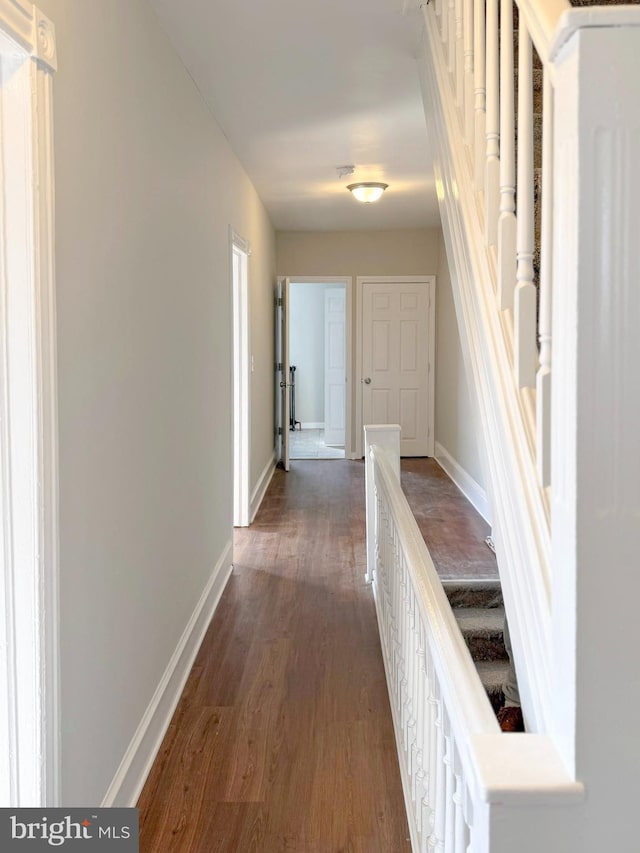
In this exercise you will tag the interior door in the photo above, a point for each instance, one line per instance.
(282, 372)
(396, 348)
(335, 368)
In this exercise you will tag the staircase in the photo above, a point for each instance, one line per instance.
(540, 230)
(479, 611)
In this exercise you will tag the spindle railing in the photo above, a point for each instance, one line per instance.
(447, 736)
(478, 39)
(539, 194)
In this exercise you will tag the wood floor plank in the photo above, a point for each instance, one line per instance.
(283, 739)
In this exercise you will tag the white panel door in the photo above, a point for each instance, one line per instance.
(334, 366)
(282, 372)
(396, 348)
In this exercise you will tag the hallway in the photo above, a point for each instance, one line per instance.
(283, 739)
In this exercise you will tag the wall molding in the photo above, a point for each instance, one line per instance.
(312, 425)
(33, 31)
(138, 759)
(29, 558)
(262, 485)
(472, 490)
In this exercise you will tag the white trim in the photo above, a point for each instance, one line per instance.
(312, 425)
(262, 485)
(507, 415)
(138, 759)
(347, 280)
(240, 378)
(29, 645)
(33, 32)
(429, 280)
(472, 490)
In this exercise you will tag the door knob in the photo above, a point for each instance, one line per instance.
(367, 381)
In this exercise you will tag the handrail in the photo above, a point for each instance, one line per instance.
(542, 18)
(458, 770)
(456, 670)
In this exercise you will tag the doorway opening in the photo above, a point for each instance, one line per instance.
(318, 374)
(240, 378)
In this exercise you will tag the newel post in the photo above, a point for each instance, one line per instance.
(595, 409)
(387, 437)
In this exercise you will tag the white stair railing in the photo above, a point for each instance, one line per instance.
(558, 396)
(526, 353)
(447, 736)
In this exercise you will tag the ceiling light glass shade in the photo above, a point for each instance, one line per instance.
(367, 192)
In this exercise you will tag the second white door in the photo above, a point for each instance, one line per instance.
(397, 351)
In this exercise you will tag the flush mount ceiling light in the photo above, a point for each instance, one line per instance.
(368, 191)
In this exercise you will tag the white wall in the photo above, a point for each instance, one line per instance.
(353, 253)
(146, 188)
(456, 420)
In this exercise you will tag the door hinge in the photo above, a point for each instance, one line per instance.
(279, 430)
(279, 367)
(279, 301)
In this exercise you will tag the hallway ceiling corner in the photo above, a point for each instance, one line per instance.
(299, 88)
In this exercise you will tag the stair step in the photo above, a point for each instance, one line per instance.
(482, 629)
(471, 593)
(493, 675)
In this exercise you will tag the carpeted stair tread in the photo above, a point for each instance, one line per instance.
(493, 675)
(480, 621)
(481, 593)
(482, 629)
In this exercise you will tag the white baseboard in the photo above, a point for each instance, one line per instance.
(261, 487)
(134, 768)
(464, 481)
(312, 425)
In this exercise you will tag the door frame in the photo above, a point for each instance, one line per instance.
(430, 281)
(240, 381)
(29, 483)
(347, 281)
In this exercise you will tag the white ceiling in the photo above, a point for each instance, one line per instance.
(300, 87)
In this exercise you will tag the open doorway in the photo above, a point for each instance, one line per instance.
(240, 379)
(318, 334)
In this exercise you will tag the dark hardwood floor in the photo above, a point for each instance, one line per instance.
(283, 739)
(451, 527)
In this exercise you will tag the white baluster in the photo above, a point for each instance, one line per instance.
(459, 57)
(403, 684)
(449, 803)
(507, 221)
(543, 379)
(444, 21)
(479, 89)
(526, 352)
(412, 662)
(461, 829)
(492, 175)
(421, 725)
(438, 796)
(468, 819)
(415, 689)
(430, 789)
(468, 70)
(451, 44)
